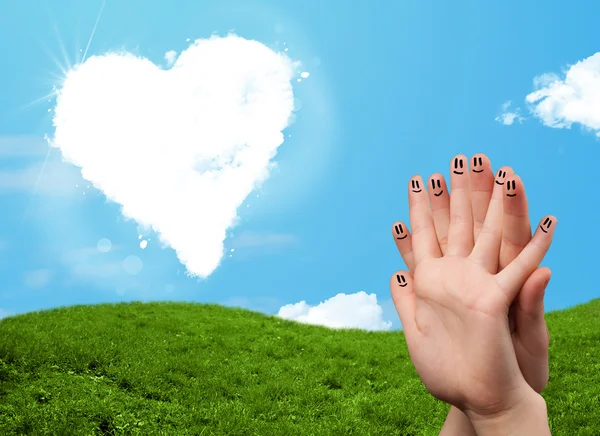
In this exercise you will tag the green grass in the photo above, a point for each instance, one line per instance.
(195, 369)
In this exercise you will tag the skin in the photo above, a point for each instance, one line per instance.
(482, 211)
(526, 317)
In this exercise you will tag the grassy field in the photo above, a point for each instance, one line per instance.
(195, 369)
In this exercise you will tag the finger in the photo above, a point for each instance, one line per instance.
(487, 247)
(405, 300)
(516, 228)
(482, 186)
(530, 301)
(439, 200)
(512, 278)
(424, 241)
(404, 243)
(531, 328)
(460, 232)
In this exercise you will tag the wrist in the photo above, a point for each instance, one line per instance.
(528, 416)
(457, 424)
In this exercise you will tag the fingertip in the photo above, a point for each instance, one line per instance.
(513, 187)
(415, 184)
(400, 279)
(400, 231)
(400, 284)
(502, 174)
(547, 225)
(459, 164)
(479, 162)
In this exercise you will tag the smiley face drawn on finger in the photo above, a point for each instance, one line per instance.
(415, 185)
(477, 162)
(501, 175)
(401, 280)
(458, 165)
(439, 186)
(400, 231)
(547, 223)
(510, 186)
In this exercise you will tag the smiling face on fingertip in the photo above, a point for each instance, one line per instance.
(400, 232)
(500, 177)
(477, 164)
(436, 185)
(415, 185)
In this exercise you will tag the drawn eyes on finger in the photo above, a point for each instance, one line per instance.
(401, 280)
(511, 188)
(400, 232)
(477, 164)
(547, 224)
(436, 184)
(458, 166)
(500, 177)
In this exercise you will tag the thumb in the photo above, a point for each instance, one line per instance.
(531, 298)
(529, 313)
(405, 300)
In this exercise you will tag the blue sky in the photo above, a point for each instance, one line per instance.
(394, 89)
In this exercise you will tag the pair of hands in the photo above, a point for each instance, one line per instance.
(472, 305)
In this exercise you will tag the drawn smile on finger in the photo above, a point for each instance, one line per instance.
(399, 231)
(508, 188)
(547, 223)
(401, 280)
(477, 161)
(501, 174)
(458, 163)
(415, 186)
(439, 186)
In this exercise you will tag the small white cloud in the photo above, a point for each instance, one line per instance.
(181, 149)
(359, 310)
(559, 103)
(509, 117)
(170, 57)
(38, 278)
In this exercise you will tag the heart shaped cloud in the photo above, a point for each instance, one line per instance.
(178, 149)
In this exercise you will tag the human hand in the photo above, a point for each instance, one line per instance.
(526, 318)
(455, 313)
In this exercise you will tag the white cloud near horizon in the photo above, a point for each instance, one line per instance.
(359, 310)
(179, 149)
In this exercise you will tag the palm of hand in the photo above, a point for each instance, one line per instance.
(462, 342)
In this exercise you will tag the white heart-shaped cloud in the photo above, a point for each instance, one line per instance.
(178, 149)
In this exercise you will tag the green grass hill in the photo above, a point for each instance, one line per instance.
(195, 369)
